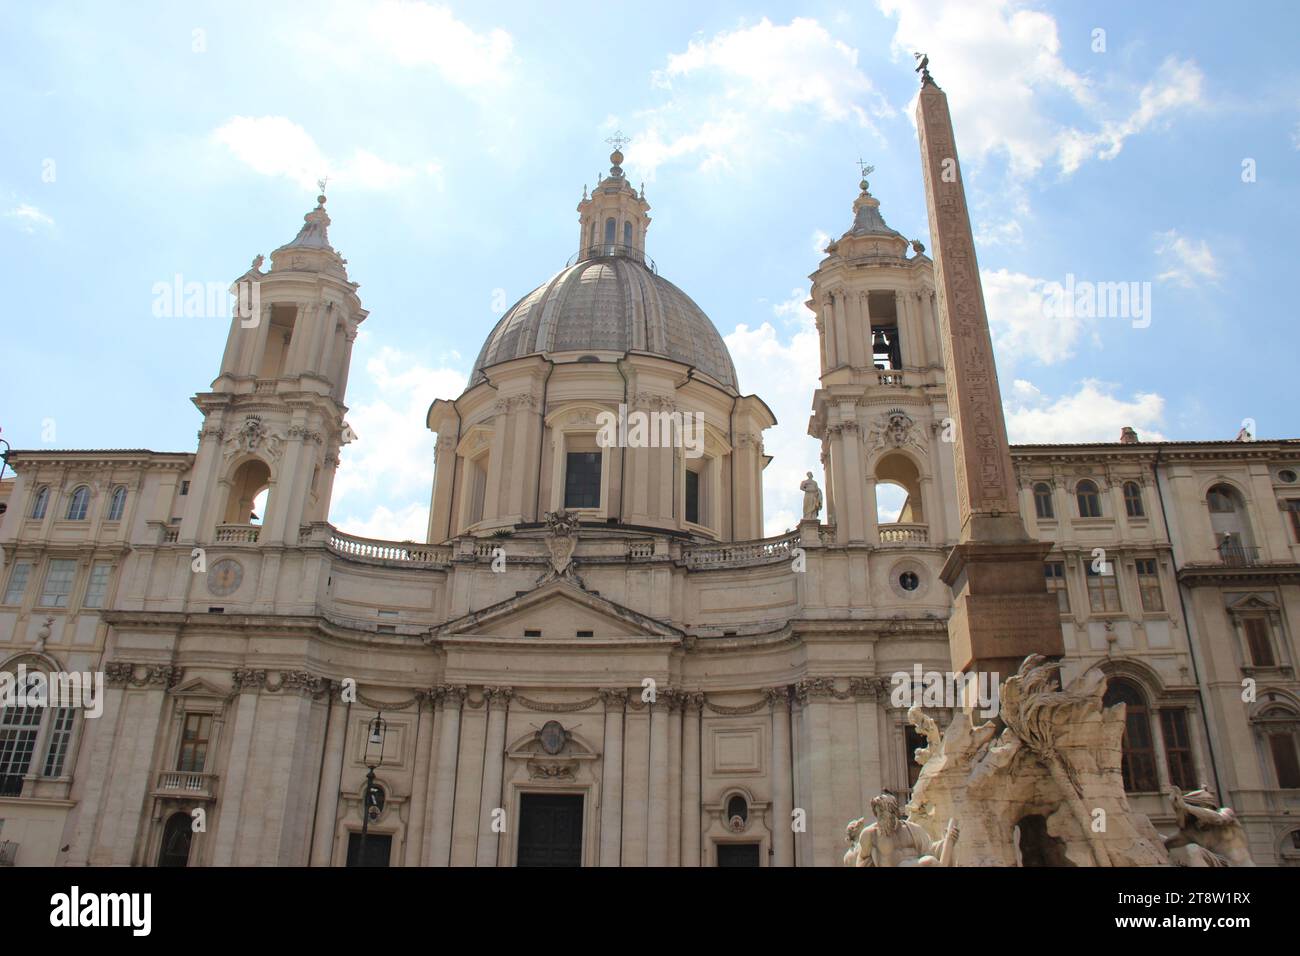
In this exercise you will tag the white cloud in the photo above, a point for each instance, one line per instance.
(1094, 413)
(784, 373)
(726, 92)
(358, 34)
(1018, 321)
(424, 34)
(28, 218)
(1179, 86)
(999, 63)
(820, 239)
(277, 146)
(385, 476)
(1189, 261)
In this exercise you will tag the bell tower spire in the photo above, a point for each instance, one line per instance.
(273, 420)
(614, 217)
(880, 401)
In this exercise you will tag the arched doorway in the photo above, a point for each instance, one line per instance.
(175, 849)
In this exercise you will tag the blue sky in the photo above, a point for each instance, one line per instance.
(185, 139)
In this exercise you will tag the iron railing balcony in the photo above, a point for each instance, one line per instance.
(607, 250)
(1234, 554)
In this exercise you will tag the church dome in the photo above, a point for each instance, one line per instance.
(609, 303)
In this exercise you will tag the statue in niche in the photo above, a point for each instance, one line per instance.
(812, 497)
(894, 841)
(1208, 835)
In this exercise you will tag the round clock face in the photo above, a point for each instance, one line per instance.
(225, 576)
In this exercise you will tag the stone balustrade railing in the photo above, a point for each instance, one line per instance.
(184, 783)
(742, 553)
(237, 533)
(908, 534)
(400, 552)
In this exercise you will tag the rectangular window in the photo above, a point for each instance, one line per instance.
(18, 729)
(56, 751)
(1103, 590)
(1056, 582)
(98, 584)
(18, 582)
(582, 479)
(477, 488)
(1178, 749)
(58, 583)
(1149, 584)
(1293, 509)
(1284, 760)
(185, 487)
(194, 743)
(692, 496)
(1258, 641)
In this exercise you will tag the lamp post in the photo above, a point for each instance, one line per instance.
(370, 809)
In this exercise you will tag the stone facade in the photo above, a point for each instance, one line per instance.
(697, 688)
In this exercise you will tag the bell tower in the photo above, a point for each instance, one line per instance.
(273, 421)
(881, 407)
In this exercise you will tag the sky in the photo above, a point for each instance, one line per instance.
(1153, 143)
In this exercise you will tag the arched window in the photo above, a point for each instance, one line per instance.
(1043, 500)
(627, 234)
(898, 497)
(1280, 727)
(78, 504)
(41, 503)
(1221, 500)
(1139, 763)
(1089, 499)
(737, 806)
(610, 226)
(1133, 500)
(117, 504)
(20, 733)
(247, 487)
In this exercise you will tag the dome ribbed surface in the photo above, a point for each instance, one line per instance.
(610, 303)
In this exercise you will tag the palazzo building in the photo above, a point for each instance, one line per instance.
(595, 658)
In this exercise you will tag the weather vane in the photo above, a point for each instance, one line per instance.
(866, 170)
(322, 183)
(618, 140)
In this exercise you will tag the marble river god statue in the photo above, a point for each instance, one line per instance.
(893, 841)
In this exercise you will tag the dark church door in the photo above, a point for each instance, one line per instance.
(176, 841)
(550, 829)
(738, 854)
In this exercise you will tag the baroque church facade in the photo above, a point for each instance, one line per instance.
(596, 658)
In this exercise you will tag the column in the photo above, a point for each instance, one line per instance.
(658, 796)
(611, 776)
(636, 783)
(778, 699)
(692, 706)
(413, 851)
(498, 702)
(675, 702)
(444, 793)
(327, 800)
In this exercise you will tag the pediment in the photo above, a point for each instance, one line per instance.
(198, 687)
(1252, 602)
(559, 610)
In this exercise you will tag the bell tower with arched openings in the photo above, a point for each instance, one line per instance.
(273, 421)
(881, 410)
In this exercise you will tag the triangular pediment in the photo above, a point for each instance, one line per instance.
(559, 610)
(1252, 602)
(198, 687)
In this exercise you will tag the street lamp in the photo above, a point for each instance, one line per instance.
(376, 733)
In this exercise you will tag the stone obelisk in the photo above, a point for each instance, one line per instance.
(1002, 610)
